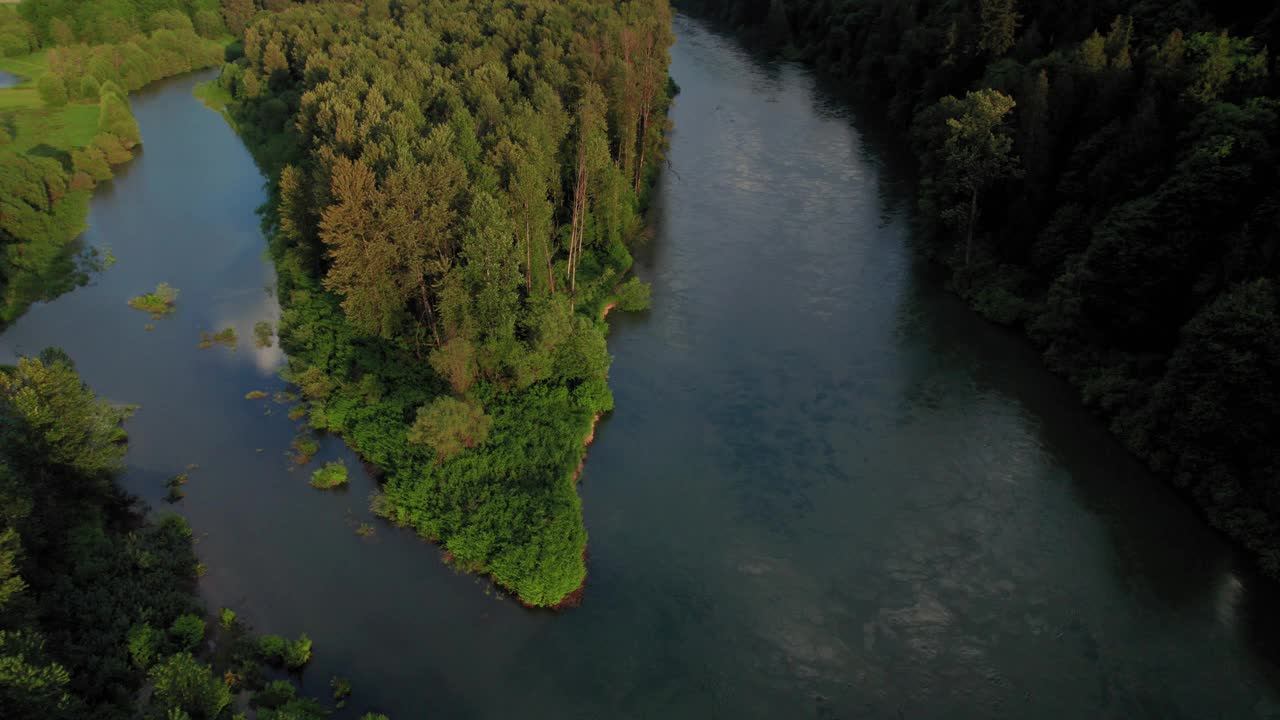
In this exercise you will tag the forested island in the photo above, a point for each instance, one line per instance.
(458, 185)
(1103, 177)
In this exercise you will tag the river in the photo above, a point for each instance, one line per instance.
(828, 489)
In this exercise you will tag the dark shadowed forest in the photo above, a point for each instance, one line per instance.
(1104, 176)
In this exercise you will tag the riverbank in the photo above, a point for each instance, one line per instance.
(1049, 249)
(64, 130)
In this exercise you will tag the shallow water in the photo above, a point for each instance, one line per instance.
(828, 489)
(8, 80)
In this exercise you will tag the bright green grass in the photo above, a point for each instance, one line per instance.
(31, 123)
(215, 97)
(28, 66)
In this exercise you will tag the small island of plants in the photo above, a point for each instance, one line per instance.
(331, 475)
(159, 302)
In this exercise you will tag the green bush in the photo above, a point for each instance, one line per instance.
(143, 643)
(633, 296)
(159, 302)
(187, 632)
(275, 694)
(298, 652)
(331, 475)
(271, 648)
(184, 684)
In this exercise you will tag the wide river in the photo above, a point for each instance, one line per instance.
(828, 489)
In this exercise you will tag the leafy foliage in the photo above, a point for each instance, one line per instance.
(159, 302)
(331, 475)
(43, 201)
(457, 184)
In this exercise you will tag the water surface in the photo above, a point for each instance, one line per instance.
(829, 490)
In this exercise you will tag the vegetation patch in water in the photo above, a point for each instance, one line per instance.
(159, 302)
(341, 690)
(225, 336)
(262, 332)
(331, 475)
(304, 448)
(278, 651)
(254, 395)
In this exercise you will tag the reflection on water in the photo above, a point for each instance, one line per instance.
(829, 490)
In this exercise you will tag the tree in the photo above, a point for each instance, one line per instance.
(184, 683)
(53, 91)
(32, 687)
(977, 151)
(238, 14)
(114, 118)
(999, 25)
(366, 262)
(60, 32)
(491, 274)
(64, 419)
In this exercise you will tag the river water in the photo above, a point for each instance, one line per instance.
(828, 489)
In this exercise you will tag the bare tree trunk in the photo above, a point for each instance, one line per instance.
(551, 275)
(528, 253)
(578, 227)
(644, 133)
(431, 313)
(973, 219)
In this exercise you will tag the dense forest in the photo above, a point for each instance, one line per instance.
(63, 131)
(1104, 176)
(95, 600)
(458, 185)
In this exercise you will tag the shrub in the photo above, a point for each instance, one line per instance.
(304, 448)
(448, 426)
(227, 618)
(271, 648)
(298, 652)
(332, 475)
(341, 690)
(142, 641)
(275, 694)
(160, 302)
(225, 336)
(183, 684)
(633, 296)
(187, 632)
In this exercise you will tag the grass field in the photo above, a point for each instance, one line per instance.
(30, 123)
